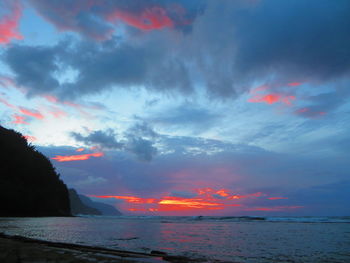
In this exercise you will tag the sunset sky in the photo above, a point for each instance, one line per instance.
(185, 107)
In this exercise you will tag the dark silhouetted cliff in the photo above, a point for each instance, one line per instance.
(105, 209)
(82, 205)
(29, 184)
(78, 207)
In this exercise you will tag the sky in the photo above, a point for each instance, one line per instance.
(174, 107)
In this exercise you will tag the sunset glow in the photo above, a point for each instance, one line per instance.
(82, 157)
(197, 107)
(206, 199)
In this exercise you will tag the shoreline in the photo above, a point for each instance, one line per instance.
(16, 249)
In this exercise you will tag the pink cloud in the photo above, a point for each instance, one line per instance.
(149, 19)
(9, 23)
(31, 113)
(19, 119)
(272, 98)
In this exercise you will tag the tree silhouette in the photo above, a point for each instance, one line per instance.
(29, 184)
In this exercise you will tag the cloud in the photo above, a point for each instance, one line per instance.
(272, 98)
(80, 157)
(90, 180)
(184, 116)
(104, 139)
(277, 198)
(247, 45)
(31, 113)
(99, 19)
(9, 21)
(7, 104)
(221, 171)
(142, 148)
(34, 67)
(18, 119)
(132, 141)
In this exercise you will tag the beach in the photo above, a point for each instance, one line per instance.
(16, 249)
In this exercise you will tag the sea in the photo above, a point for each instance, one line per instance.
(206, 239)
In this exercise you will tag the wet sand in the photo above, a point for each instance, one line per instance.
(16, 249)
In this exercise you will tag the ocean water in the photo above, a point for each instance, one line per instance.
(210, 239)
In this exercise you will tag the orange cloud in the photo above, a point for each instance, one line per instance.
(19, 119)
(272, 98)
(223, 193)
(206, 199)
(187, 202)
(209, 192)
(82, 157)
(80, 150)
(31, 113)
(150, 19)
(9, 24)
(258, 194)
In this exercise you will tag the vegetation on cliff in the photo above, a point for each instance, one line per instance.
(29, 184)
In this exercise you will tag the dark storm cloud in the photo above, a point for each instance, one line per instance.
(287, 41)
(103, 139)
(142, 148)
(300, 39)
(98, 66)
(34, 67)
(95, 19)
(135, 141)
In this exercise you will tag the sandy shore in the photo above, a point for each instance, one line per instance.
(15, 249)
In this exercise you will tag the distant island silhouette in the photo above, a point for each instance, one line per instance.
(29, 184)
(83, 205)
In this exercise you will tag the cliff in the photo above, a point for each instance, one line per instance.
(81, 204)
(78, 207)
(105, 209)
(29, 184)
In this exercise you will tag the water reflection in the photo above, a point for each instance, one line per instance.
(228, 241)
